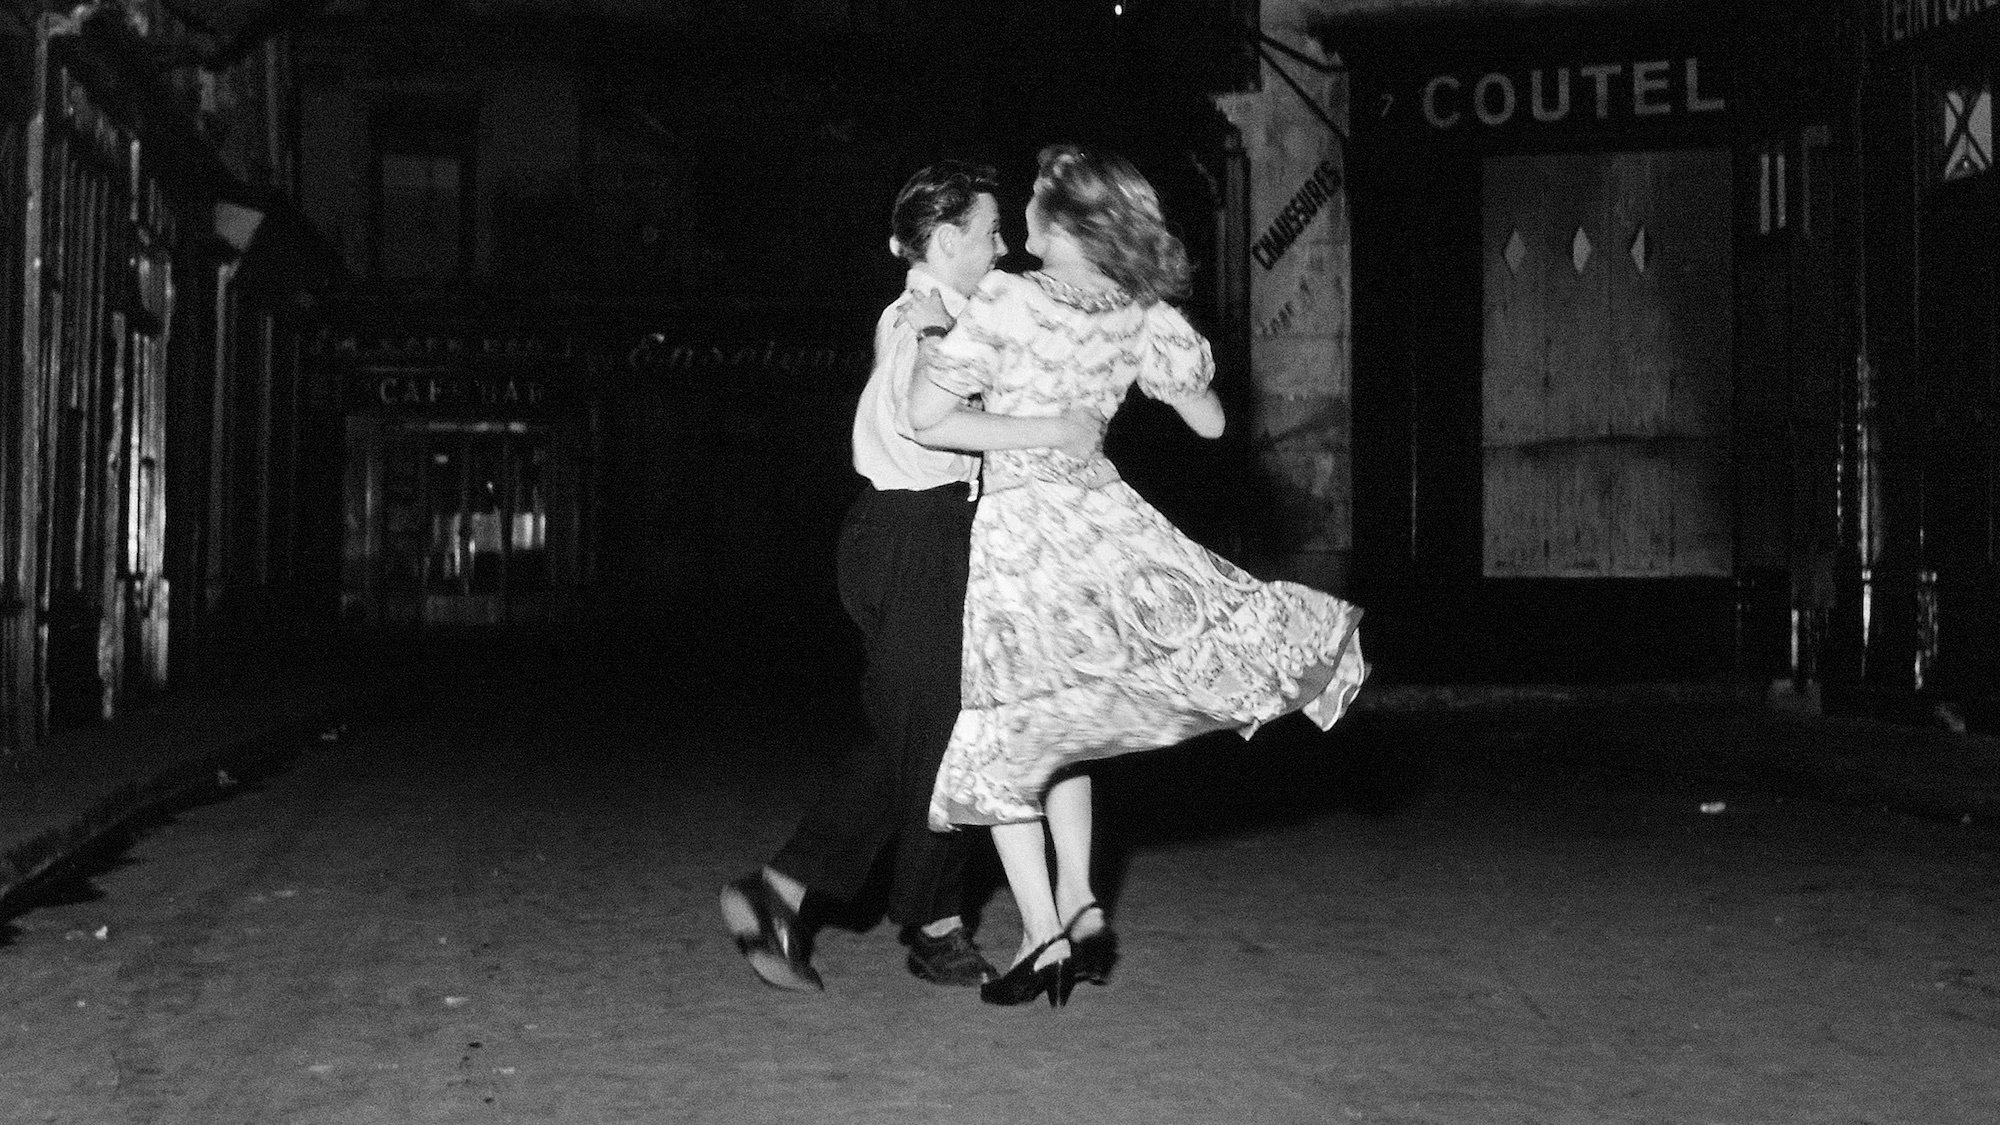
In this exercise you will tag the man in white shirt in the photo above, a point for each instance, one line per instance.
(902, 568)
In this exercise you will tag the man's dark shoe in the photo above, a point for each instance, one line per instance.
(768, 934)
(951, 959)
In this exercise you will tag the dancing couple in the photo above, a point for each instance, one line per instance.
(1085, 624)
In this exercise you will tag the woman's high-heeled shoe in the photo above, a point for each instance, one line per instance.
(1026, 980)
(1095, 952)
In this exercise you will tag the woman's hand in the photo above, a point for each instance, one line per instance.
(924, 310)
(1086, 434)
(1203, 414)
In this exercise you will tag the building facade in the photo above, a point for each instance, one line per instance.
(566, 406)
(158, 429)
(617, 279)
(1918, 573)
(1648, 340)
(1578, 339)
(1586, 411)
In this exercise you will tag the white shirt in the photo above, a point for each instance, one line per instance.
(884, 451)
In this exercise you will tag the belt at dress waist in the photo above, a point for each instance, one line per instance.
(1019, 467)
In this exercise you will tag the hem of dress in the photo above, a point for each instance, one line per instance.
(1323, 702)
(980, 820)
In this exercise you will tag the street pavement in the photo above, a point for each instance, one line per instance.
(83, 787)
(492, 898)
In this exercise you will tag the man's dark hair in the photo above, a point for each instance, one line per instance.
(940, 194)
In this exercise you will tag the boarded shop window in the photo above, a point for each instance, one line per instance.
(1606, 386)
(1965, 119)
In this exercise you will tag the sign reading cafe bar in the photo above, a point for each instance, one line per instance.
(1634, 90)
(448, 391)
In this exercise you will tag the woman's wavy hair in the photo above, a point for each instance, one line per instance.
(937, 195)
(1114, 215)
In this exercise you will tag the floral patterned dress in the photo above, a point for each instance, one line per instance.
(1093, 626)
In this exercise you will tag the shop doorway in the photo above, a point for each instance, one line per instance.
(455, 523)
(1952, 407)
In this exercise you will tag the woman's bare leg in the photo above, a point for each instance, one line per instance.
(1023, 852)
(1068, 808)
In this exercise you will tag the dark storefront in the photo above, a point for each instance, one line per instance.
(84, 519)
(677, 473)
(1921, 569)
(466, 482)
(1568, 424)
(159, 440)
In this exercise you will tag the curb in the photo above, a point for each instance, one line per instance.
(32, 861)
(1396, 697)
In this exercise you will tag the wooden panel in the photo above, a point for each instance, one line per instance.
(1515, 513)
(1641, 512)
(1639, 374)
(1642, 331)
(1702, 537)
(1607, 366)
(1579, 303)
(1578, 527)
(23, 270)
(1515, 323)
(148, 488)
(1516, 496)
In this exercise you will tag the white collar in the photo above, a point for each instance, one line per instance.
(921, 280)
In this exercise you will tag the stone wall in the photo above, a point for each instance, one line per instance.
(1300, 314)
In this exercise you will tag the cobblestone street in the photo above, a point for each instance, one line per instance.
(498, 904)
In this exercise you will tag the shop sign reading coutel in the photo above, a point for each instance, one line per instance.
(1644, 88)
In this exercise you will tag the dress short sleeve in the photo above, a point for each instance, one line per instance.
(968, 359)
(1174, 361)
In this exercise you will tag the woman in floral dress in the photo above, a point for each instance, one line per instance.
(1093, 626)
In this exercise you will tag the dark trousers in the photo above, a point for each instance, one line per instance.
(902, 569)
